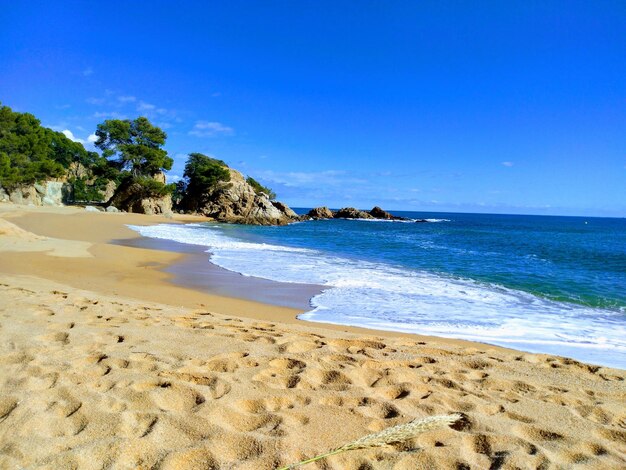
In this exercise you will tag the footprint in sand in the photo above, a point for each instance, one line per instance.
(264, 422)
(174, 397)
(215, 386)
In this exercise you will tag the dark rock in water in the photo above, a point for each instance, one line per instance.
(352, 213)
(378, 213)
(320, 213)
(420, 221)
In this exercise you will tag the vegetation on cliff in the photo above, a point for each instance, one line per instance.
(260, 189)
(30, 153)
(130, 171)
(202, 174)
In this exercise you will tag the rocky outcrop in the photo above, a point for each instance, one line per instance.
(378, 213)
(131, 197)
(109, 190)
(351, 213)
(47, 193)
(237, 202)
(285, 209)
(320, 213)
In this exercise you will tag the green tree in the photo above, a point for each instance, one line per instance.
(260, 189)
(202, 174)
(135, 146)
(30, 152)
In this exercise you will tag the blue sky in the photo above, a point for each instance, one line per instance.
(506, 107)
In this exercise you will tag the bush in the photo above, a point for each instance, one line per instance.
(202, 175)
(260, 189)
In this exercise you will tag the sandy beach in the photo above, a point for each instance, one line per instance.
(105, 362)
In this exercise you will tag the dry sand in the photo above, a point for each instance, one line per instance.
(106, 364)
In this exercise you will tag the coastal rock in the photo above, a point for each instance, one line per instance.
(112, 209)
(109, 190)
(284, 208)
(237, 202)
(4, 196)
(320, 213)
(47, 193)
(25, 195)
(131, 197)
(378, 213)
(351, 213)
(55, 193)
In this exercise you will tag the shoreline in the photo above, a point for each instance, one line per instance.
(145, 272)
(196, 271)
(182, 271)
(104, 359)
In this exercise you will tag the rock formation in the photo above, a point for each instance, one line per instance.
(352, 213)
(237, 202)
(131, 197)
(48, 193)
(320, 213)
(379, 213)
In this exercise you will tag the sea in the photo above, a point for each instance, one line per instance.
(544, 284)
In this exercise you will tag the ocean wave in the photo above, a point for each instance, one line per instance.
(382, 296)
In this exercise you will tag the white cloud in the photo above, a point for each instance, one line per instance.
(210, 129)
(507, 164)
(173, 178)
(92, 138)
(143, 106)
(96, 101)
(67, 133)
(109, 115)
(298, 179)
(88, 71)
(126, 99)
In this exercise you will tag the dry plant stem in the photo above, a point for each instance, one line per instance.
(393, 435)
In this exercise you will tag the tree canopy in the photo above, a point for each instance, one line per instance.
(30, 152)
(135, 146)
(132, 155)
(201, 175)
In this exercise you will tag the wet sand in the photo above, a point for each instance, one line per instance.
(196, 271)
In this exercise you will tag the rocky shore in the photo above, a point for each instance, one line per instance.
(352, 213)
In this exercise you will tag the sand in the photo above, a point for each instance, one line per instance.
(104, 363)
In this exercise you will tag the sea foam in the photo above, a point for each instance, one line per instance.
(386, 297)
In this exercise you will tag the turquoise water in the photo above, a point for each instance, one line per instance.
(538, 283)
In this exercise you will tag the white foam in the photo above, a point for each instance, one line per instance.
(382, 296)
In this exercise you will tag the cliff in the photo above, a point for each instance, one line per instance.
(47, 193)
(237, 202)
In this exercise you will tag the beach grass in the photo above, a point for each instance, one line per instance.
(388, 436)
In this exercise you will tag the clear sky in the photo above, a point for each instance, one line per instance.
(507, 107)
